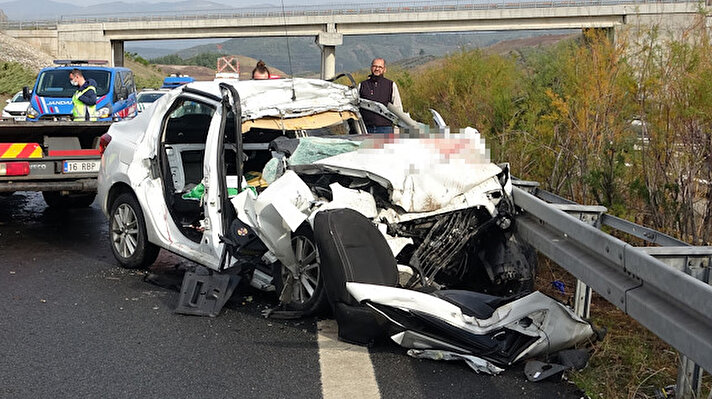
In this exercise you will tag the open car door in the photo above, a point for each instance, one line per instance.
(222, 171)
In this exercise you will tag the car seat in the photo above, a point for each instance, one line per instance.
(352, 249)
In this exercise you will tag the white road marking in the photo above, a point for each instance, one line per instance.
(346, 370)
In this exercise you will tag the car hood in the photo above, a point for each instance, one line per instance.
(17, 107)
(132, 130)
(426, 174)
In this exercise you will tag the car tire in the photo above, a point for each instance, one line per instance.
(127, 234)
(308, 295)
(55, 199)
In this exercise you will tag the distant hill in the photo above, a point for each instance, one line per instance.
(205, 73)
(356, 52)
(503, 47)
(527, 42)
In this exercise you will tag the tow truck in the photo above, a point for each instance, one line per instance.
(49, 152)
(60, 159)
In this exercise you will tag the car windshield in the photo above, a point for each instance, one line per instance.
(148, 97)
(18, 98)
(55, 83)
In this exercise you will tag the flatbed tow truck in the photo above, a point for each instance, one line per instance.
(59, 159)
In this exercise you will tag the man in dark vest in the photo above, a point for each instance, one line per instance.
(382, 90)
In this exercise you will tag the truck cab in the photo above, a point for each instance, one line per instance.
(51, 98)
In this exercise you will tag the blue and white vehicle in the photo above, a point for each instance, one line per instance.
(51, 98)
(173, 81)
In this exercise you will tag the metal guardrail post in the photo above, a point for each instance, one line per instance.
(582, 300)
(689, 374)
(696, 262)
(689, 379)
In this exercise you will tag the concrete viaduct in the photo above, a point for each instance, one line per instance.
(104, 38)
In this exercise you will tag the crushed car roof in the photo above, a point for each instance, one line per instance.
(286, 97)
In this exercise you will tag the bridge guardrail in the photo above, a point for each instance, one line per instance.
(322, 10)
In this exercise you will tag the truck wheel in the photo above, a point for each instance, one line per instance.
(307, 293)
(55, 199)
(127, 232)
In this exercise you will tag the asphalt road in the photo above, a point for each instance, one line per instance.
(75, 325)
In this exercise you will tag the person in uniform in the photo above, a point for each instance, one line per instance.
(84, 99)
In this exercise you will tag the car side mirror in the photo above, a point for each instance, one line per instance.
(26, 94)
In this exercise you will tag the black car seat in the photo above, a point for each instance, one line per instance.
(352, 249)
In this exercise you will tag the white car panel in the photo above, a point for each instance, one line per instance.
(16, 108)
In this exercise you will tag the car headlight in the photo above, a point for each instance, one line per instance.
(104, 112)
(32, 113)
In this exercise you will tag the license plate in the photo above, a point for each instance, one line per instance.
(20, 118)
(81, 166)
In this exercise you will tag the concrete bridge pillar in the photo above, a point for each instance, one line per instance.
(328, 41)
(117, 53)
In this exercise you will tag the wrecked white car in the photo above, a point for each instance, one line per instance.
(275, 183)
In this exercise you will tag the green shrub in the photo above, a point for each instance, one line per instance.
(137, 58)
(13, 76)
(151, 82)
(203, 59)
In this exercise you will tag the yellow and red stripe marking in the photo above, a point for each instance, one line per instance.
(20, 150)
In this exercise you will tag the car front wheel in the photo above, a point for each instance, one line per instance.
(305, 289)
(127, 231)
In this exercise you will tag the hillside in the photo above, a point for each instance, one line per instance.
(30, 57)
(508, 46)
(19, 64)
(247, 64)
(356, 51)
(502, 47)
(146, 76)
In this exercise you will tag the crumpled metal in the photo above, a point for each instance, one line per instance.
(477, 364)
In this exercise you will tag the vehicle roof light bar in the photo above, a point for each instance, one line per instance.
(80, 62)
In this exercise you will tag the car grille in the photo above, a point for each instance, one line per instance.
(56, 117)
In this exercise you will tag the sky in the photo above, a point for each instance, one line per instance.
(236, 4)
